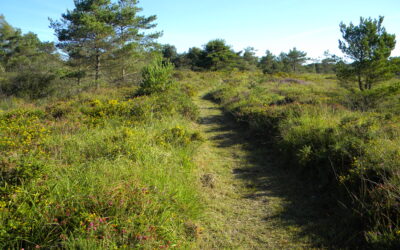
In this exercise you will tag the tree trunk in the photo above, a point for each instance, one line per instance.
(123, 74)
(368, 84)
(97, 69)
(360, 84)
(79, 75)
(123, 65)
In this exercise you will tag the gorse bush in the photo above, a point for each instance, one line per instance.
(157, 77)
(22, 139)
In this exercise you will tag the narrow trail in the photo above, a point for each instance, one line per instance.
(250, 203)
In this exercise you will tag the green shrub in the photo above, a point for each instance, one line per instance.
(29, 84)
(157, 77)
(352, 155)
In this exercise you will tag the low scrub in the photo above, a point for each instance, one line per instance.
(99, 171)
(348, 153)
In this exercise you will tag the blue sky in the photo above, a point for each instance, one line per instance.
(277, 25)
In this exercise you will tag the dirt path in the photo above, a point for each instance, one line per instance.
(250, 203)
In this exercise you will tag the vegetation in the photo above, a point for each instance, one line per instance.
(99, 170)
(102, 31)
(22, 57)
(369, 46)
(157, 77)
(99, 138)
(346, 154)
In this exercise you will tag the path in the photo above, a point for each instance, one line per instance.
(250, 203)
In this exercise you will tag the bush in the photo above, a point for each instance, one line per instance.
(33, 85)
(157, 77)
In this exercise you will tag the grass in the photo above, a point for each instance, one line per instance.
(340, 146)
(99, 171)
(240, 213)
(296, 161)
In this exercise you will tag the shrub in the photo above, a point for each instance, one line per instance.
(28, 84)
(157, 77)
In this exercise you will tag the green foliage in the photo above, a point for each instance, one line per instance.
(285, 62)
(96, 30)
(248, 60)
(295, 58)
(218, 55)
(369, 46)
(23, 57)
(157, 77)
(395, 64)
(169, 52)
(269, 63)
(349, 155)
(99, 171)
(324, 66)
(195, 58)
(381, 99)
(178, 136)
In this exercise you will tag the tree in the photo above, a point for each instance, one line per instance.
(218, 55)
(249, 55)
(283, 62)
(157, 77)
(30, 66)
(269, 63)
(169, 52)
(395, 64)
(129, 40)
(87, 28)
(195, 57)
(296, 58)
(328, 64)
(249, 60)
(97, 30)
(369, 46)
(8, 37)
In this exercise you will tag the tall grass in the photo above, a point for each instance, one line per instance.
(99, 171)
(345, 149)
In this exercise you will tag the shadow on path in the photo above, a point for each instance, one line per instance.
(266, 177)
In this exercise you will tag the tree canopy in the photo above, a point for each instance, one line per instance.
(22, 57)
(369, 46)
(96, 30)
(218, 55)
(295, 58)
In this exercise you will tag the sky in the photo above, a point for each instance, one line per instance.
(276, 25)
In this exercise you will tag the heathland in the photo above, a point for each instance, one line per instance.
(111, 140)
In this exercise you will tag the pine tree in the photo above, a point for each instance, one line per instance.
(369, 46)
(87, 30)
(218, 55)
(99, 31)
(296, 58)
(129, 39)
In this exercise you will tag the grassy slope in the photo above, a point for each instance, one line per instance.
(99, 170)
(336, 150)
